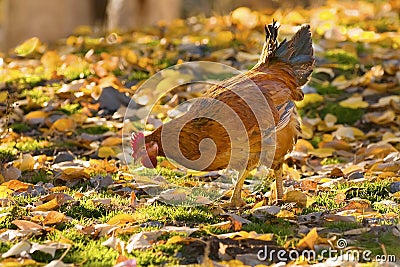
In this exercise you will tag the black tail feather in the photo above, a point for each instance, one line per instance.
(298, 51)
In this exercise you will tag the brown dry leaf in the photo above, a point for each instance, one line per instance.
(121, 219)
(308, 185)
(11, 173)
(180, 239)
(224, 226)
(339, 218)
(309, 240)
(357, 231)
(54, 217)
(379, 150)
(384, 117)
(74, 173)
(237, 221)
(336, 144)
(357, 204)
(340, 198)
(27, 225)
(103, 201)
(36, 117)
(336, 173)
(393, 166)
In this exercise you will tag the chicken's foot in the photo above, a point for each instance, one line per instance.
(236, 200)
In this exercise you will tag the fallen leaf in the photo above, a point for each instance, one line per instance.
(54, 217)
(297, 197)
(309, 241)
(17, 249)
(121, 219)
(354, 102)
(105, 152)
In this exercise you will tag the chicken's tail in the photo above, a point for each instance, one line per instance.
(298, 51)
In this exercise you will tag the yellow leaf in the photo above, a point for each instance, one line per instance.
(27, 225)
(3, 96)
(322, 152)
(106, 151)
(354, 102)
(309, 99)
(180, 239)
(27, 47)
(38, 114)
(112, 141)
(50, 205)
(121, 219)
(25, 163)
(309, 240)
(5, 192)
(285, 214)
(63, 125)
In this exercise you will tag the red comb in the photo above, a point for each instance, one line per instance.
(136, 139)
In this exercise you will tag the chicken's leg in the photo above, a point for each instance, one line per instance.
(236, 200)
(277, 192)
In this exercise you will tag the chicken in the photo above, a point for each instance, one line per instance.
(237, 123)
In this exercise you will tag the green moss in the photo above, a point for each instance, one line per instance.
(325, 88)
(344, 115)
(36, 95)
(345, 59)
(20, 127)
(99, 129)
(342, 226)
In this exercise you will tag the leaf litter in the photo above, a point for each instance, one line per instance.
(63, 176)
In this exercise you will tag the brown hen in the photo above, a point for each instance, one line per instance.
(237, 123)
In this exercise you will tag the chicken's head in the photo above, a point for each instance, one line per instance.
(146, 153)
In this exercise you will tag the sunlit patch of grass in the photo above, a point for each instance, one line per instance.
(36, 95)
(70, 109)
(328, 161)
(28, 144)
(15, 212)
(165, 213)
(325, 200)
